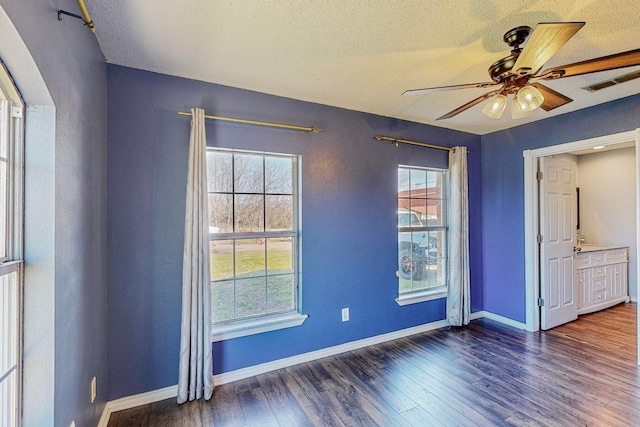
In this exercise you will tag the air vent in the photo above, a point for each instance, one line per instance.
(601, 85)
(627, 77)
(607, 83)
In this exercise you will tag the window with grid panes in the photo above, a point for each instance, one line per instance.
(253, 216)
(422, 231)
(11, 196)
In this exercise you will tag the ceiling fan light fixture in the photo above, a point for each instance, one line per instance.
(529, 98)
(495, 106)
(519, 110)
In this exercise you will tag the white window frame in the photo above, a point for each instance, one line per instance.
(12, 136)
(422, 295)
(267, 322)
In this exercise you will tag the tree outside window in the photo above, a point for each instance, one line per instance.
(253, 232)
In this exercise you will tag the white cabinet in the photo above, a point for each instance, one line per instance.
(601, 278)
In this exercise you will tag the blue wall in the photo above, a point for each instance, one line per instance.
(503, 192)
(349, 220)
(74, 71)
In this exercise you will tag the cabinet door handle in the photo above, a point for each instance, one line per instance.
(576, 249)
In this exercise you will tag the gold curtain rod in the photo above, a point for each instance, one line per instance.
(406, 141)
(86, 17)
(253, 122)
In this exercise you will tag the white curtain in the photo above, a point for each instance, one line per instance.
(458, 307)
(196, 361)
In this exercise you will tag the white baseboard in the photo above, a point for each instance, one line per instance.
(502, 319)
(239, 374)
(476, 315)
(251, 371)
(128, 402)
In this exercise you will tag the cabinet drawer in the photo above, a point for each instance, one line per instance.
(598, 272)
(597, 258)
(583, 260)
(619, 255)
(598, 296)
(598, 283)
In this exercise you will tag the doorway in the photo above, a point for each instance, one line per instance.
(532, 260)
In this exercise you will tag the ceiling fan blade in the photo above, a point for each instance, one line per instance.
(469, 104)
(544, 42)
(604, 63)
(552, 99)
(441, 88)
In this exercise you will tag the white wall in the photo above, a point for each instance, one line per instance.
(608, 202)
(39, 271)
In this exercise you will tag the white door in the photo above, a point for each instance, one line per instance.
(558, 233)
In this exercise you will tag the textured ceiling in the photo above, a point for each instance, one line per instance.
(362, 54)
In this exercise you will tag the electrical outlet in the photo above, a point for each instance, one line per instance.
(345, 314)
(93, 389)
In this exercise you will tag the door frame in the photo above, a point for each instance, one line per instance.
(532, 291)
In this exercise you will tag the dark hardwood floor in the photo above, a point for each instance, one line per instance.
(580, 374)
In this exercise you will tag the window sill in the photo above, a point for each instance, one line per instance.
(423, 296)
(256, 326)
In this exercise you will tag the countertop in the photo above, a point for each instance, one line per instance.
(592, 247)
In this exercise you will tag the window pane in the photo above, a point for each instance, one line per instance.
(404, 214)
(435, 213)
(403, 182)
(9, 314)
(280, 295)
(435, 275)
(418, 182)
(221, 259)
(420, 240)
(279, 213)
(434, 184)
(3, 209)
(4, 125)
(220, 172)
(251, 297)
(278, 175)
(408, 218)
(8, 396)
(412, 254)
(437, 244)
(279, 256)
(248, 174)
(418, 212)
(222, 301)
(250, 258)
(404, 203)
(249, 212)
(220, 213)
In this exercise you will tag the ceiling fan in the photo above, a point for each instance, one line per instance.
(519, 73)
